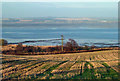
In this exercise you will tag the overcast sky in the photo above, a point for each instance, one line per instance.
(59, 0)
(59, 9)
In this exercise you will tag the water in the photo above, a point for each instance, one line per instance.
(81, 34)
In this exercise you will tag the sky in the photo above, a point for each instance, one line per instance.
(59, 9)
(60, 0)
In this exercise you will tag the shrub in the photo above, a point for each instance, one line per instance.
(86, 47)
(3, 42)
(71, 45)
(19, 48)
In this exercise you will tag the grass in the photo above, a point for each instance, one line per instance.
(87, 74)
(109, 73)
(48, 71)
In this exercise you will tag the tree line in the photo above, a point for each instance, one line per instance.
(69, 46)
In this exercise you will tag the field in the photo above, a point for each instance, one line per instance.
(87, 65)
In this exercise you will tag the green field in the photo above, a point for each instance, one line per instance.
(87, 65)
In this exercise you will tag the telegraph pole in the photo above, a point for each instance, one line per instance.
(62, 41)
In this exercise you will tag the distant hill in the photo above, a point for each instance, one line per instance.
(59, 21)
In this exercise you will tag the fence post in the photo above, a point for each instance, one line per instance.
(62, 42)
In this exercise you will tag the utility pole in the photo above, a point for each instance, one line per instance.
(62, 41)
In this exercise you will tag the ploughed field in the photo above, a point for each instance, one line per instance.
(87, 65)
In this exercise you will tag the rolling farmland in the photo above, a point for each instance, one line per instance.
(87, 65)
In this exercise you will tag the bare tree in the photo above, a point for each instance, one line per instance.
(71, 45)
